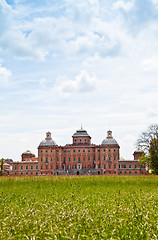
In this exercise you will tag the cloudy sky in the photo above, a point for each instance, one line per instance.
(64, 63)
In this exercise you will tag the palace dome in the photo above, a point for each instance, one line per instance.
(109, 140)
(81, 133)
(48, 141)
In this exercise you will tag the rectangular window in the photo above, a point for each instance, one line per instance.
(69, 159)
(114, 158)
(26, 167)
(41, 151)
(74, 150)
(51, 159)
(125, 166)
(98, 165)
(46, 166)
(57, 166)
(57, 159)
(104, 166)
(36, 166)
(109, 158)
(83, 166)
(83, 150)
(41, 159)
(46, 159)
(69, 167)
(15, 167)
(21, 167)
(51, 166)
(46, 151)
(130, 165)
(88, 150)
(135, 165)
(98, 158)
(83, 158)
(41, 166)
(78, 158)
(104, 157)
(109, 165)
(31, 166)
(114, 165)
(74, 158)
(88, 158)
(78, 150)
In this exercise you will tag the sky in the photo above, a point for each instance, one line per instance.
(64, 63)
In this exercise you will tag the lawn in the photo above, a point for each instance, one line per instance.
(83, 207)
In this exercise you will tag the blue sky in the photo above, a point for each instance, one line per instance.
(63, 63)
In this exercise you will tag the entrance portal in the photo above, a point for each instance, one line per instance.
(78, 173)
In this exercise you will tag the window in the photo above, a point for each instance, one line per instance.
(88, 150)
(83, 158)
(104, 157)
(83, 150)
(83, 166)
(36, 166)
(41, 166)
(69, 159)
(129, 172)
(114, 165)
(109, 165)
(51, 150)
(51, 166)
(57, 150)
(21, 167)
(69, 167)
(114, 158)
(74, 158)
(41, 159)
(51, 159)
(104, 166)
(125, 172)
(78, 150)
(41, 151)
(65, 151)
(31, 166)
(15, 167)
(109, 150)
(109, 158)
(78, 158)
(104, 150)
(115, 172)
(98, 165)
(136, 172)
(26, 167)
(114, 150)
(57, 166)
(125, 166)
(130, 165)
(98, 158)
(46, 159)
(74, 166)
(89, 166)
(46, 166)
(135, 165)
(46, 150)
(88, 158)
(36, 173)
(93, 158)
(109, 172)
(74, 150)
(21, 173)
(80, 140)
(57, 159)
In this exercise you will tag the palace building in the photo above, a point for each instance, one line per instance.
(79, 158)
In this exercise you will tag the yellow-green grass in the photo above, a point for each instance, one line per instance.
(83, 207)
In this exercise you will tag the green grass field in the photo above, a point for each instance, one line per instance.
(88, 207)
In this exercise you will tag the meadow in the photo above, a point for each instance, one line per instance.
(83, 207)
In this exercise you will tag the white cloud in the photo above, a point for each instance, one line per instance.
(154, 1)
(150, 64)
(126, 6)
(5, 75)
(82, 83)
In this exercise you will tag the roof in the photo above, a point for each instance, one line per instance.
(81, 133)
(109, 140)
(48, 142)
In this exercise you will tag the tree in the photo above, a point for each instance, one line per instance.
(2, 166)
(153, 150)
(143, 142)
(148, 142)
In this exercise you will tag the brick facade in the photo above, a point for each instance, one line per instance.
(79, 158)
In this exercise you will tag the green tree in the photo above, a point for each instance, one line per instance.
(2, 166)
(145, 138)
(148, 142)
(153, 150)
